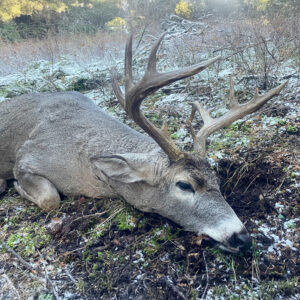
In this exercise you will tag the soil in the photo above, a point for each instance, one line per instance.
(136, 262)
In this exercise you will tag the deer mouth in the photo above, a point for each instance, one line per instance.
(227, 248)
(236, 243)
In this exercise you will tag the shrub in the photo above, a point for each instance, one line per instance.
(9, 32)
(117, 24)
(183, 9)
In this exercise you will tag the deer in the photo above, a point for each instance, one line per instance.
(63, 143)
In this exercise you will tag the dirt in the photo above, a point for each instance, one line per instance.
(135, 262)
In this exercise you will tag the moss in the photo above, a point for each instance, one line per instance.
(239, 126)
(28, 239)
(81, 285)
(126, 220)
(98, 231)
(267, 290)
(285, 287)
(45, 296)
(158, 237)
(151, 247)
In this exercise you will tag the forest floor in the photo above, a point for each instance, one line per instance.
(106, 249)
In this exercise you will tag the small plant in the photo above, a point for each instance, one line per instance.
(29, 239)
(292, 129)
(125, 221)
(151, 247)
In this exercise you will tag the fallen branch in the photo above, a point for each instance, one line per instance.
(207, 276)
(71, 277)
(33, 269)
(51, 286)
(170, 284)
(18, 257)
(87, 217)
(10, 285)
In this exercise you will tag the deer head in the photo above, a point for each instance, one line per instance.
(185, 189)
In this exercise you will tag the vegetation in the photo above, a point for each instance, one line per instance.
(183, 9)
(27, 18)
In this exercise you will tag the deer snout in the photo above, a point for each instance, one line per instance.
(240, 241)
(230, 234)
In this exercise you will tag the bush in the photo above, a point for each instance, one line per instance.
(9, 32)
(117, 24)
(183, 9)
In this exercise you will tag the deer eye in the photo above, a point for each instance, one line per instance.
(185, 186)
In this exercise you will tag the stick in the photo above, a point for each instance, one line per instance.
(18, 257)
(71, 277)
(170, 284)
(51, 286)
(11, 285)
(88, 216)
(31, 268)
(207, 277)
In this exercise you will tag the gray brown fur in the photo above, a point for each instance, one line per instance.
(63, 142)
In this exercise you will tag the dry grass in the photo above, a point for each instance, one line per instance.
(83, 48)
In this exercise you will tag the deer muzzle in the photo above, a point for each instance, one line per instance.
(230, 235)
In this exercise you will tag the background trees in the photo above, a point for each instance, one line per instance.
(21, 19)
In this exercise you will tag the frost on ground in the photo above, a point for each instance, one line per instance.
(126, 254)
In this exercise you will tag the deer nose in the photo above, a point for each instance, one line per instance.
(241, 240)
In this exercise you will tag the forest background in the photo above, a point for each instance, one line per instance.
(23, 19)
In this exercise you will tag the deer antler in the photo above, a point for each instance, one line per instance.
(151, 82)
(237, 111)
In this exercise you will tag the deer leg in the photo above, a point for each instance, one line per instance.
(2, 185)
(39, 190)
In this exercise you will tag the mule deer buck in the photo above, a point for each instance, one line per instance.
(63, 142)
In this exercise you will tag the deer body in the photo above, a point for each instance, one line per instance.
(55, 143)
(55, 135)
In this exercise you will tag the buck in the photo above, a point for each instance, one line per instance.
(62, 142)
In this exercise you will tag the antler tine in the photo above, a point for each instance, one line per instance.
(232, 99)
(199, 141)
(116, 87)
(151, 68)
(153, 81)
(128, 64)
(128, 73)
(236, 112)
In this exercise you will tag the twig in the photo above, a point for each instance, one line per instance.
(11, 286)
(17, 256)
(71, 277)
(51, 286)
(88, 216)
(170, 284)
(32, 268)
(207, 276)
(111, 216)
(141, 37)
(50, 283)
(233, 269)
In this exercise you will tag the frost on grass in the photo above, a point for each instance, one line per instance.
(46, 76)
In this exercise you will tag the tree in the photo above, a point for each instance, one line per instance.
(183, 9)
(10, 9)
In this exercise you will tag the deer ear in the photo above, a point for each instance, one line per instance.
(126, 168)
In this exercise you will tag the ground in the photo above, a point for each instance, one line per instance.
(106, 249)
